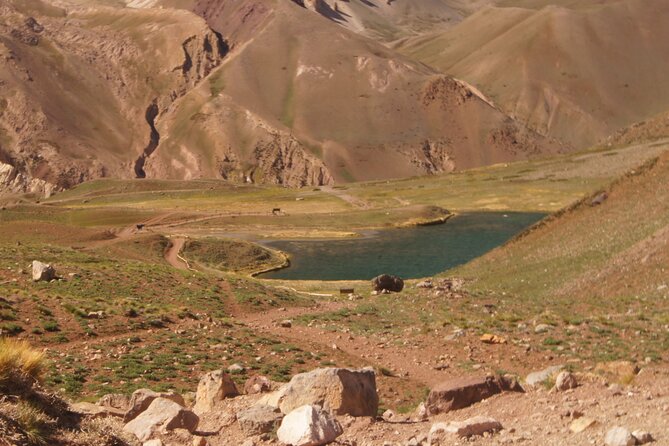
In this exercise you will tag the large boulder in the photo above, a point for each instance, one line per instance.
(388, 283)
(43, 272)
(259, 419)
(342, 391)
(212, 389)
(164, 415)
(459, 393)
(141, 399)
(309, 426)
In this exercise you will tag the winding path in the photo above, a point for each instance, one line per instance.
(172, 254)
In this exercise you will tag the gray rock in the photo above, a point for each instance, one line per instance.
(619, 436)
(536, 378)
(259, 419)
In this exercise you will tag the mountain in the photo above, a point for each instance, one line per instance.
(257, 91)
(573, 70)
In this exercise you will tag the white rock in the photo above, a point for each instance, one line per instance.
(154, 442)
(162, 414)
(309, 426)
(535, 378)
(619, 436)
(43, 272)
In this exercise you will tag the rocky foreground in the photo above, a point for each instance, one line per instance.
(615, 405)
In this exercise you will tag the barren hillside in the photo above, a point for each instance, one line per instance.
(577, 71)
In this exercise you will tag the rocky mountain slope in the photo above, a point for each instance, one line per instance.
(149, 89)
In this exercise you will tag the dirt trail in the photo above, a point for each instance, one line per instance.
(339, 193)
(172, 254)
(410, 360)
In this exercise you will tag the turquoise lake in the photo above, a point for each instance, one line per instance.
(408, 252)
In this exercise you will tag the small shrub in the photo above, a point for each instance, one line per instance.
(19, 363)
(51, 326)
(34, 423)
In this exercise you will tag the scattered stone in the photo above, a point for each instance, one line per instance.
(141, 399)
(43, 272)
(154, 442)
(463, 392)
(581, 424)
(642, 437)
(542, 328)
(386, 282)
(213, 388)
(287, 323)
(162, 414)
(492, 339)
(565, 381)
(475, 426)
(424, 284)
(619, 436)
(343, 391)
(259, 419)
(420, 414)
(95, 411)
(599, 199)
(257, 384)
(388, 415)
(539, 377)
(236, 368)
(309, 426)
